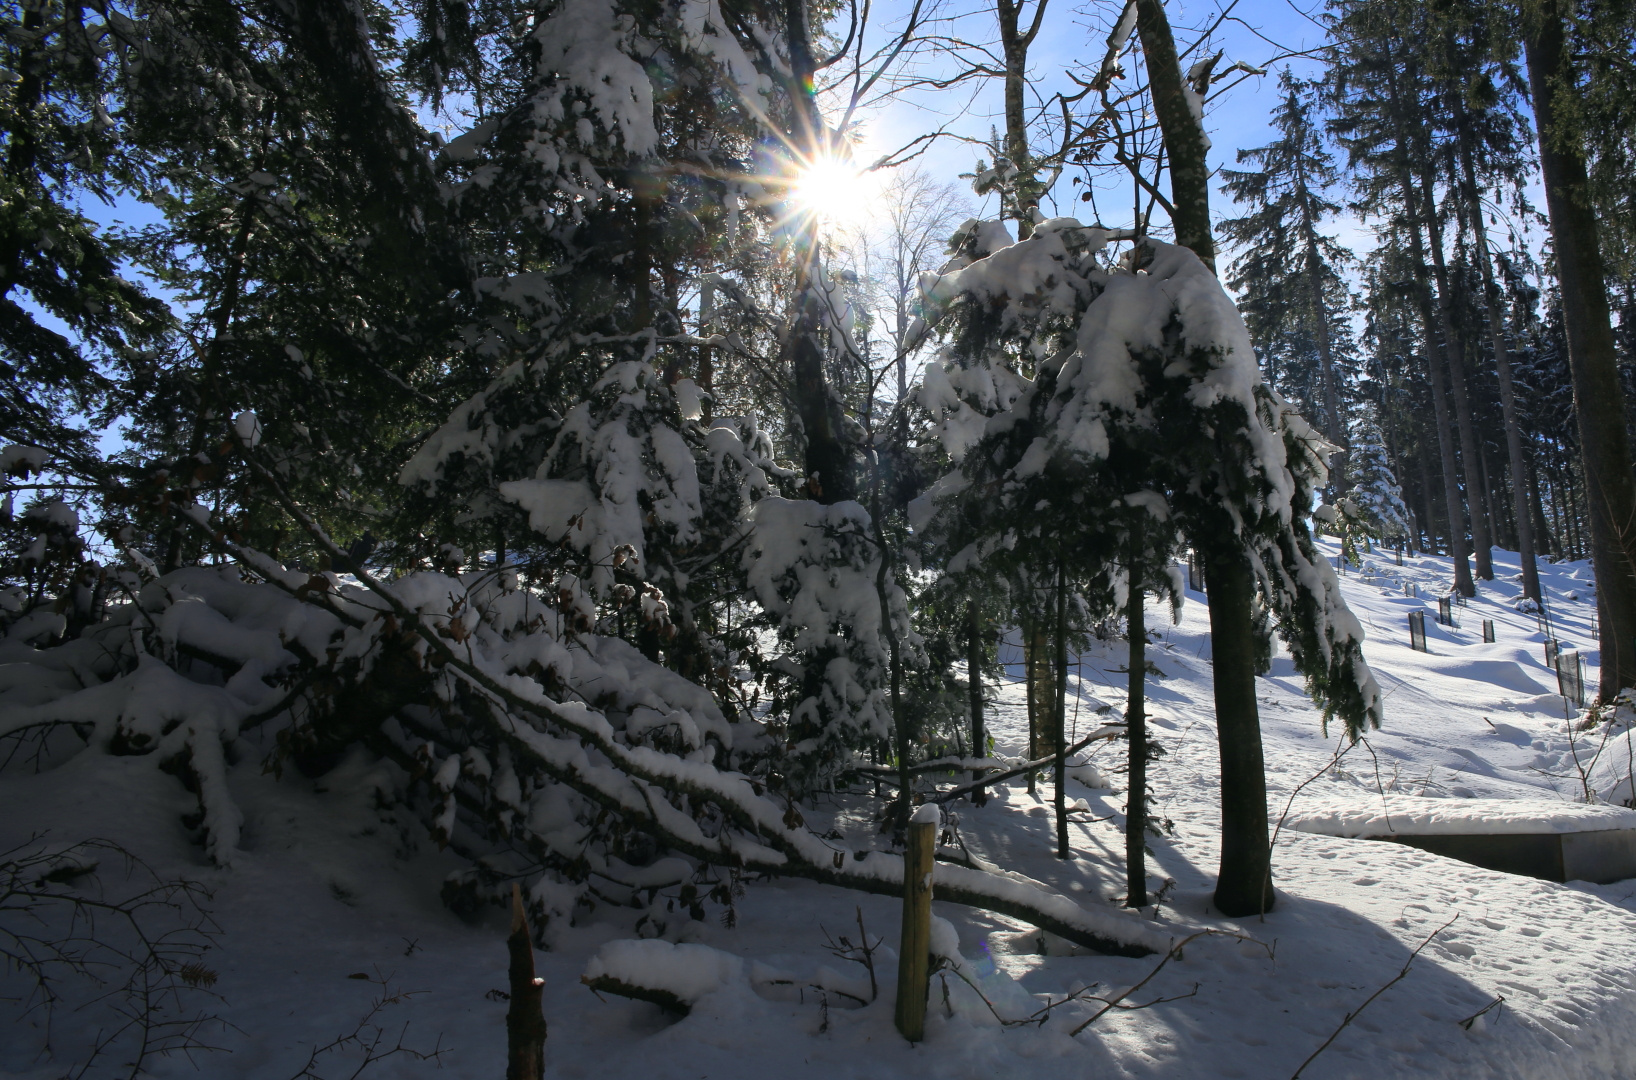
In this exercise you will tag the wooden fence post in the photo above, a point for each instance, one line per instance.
(915, 947)
(525, 1020)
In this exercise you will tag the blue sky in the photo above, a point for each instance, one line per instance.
(1257, 32)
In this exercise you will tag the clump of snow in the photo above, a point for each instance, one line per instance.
(22, 461)
(686, 972)
(248, 428)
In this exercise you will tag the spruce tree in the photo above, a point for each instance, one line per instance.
(1378, 89)
(1288, 277)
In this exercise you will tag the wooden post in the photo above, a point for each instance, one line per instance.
(915, 946)
(525, 1021)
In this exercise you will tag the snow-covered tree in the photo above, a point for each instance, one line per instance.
(1147, 410)
(1373, 492)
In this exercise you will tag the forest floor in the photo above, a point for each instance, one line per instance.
(323, 892)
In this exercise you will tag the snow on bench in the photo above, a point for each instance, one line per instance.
(1557, 841)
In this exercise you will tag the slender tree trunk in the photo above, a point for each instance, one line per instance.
(1428, 306)
(1490, 504)
(1136, 731)
(1014, 45)
(1572, 499)
(1038, 690)
(974, 685)
(1454, 354)
(1542, 524)
(1599, 402)
(1244, 884)
(1059, 714)
(1427, 510)
(1183, 137)
(1440, 415)
(894, 650)
(209, 388)
(707, 362)
(828, 462)
(1546, 488)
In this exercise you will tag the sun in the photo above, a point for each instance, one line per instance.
(835, 190)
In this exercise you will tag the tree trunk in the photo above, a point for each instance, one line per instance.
(1440, 415)
(1183, 135)
(1454, 354)
(1599, 402)
(1136, 731)
(707, 365)
(1542, 524)
(1059, 717)
(828, 462)
(894, 650)
(1245, 882)
(974, 684)
(1014, 46)
(1429, 306)
(1037, 675)
(1496, 524)
(525, 1018)
(1244, 885)
(1428, 509)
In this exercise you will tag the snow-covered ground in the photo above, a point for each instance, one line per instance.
(324, 890)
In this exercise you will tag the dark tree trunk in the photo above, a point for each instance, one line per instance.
(1456, 533)
(1495, 524)
(1599, 402)
(1428, 305)
(974, 685)
(525, 1018)
(707, 364)
(1542, 524)
(1244, 885)
(827, 458)
(1454, 354)
(1059, 714)
(1427, 508)
(1183, 137)
(1037, 679)
(1136, 731)
(1014, 45)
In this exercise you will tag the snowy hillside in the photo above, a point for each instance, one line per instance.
(326, 890)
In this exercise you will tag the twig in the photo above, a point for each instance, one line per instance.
(1353, 1015)
(863, 953)
(370, 1037)
(1174, 953)
(1335, 759)
(58, 931)
(1497, 1003)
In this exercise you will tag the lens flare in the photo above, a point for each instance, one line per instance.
(835, 191)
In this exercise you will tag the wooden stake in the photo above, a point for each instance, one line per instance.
(525, 1021)
(915, 947)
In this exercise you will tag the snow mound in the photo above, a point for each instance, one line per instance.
(684, 972)
(1410, 815)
